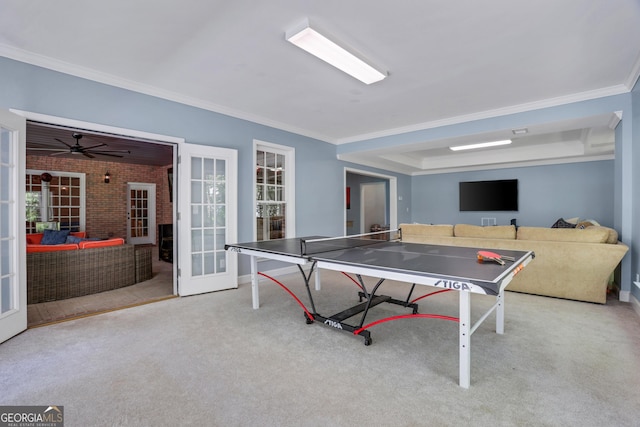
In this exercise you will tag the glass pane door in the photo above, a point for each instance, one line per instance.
(208, 197)
(141, 224)
(13, 294)
(208, 210)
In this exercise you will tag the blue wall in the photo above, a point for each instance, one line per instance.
(545, 193)
(624, 199)
(319, 175)
(599, 190)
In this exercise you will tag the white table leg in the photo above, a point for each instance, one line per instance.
(318, 283)
(500, 314)
(465, 339)
(255, 292)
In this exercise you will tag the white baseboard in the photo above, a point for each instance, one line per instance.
(623, 296)
(635, 304)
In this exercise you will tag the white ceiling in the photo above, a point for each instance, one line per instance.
(448, 62)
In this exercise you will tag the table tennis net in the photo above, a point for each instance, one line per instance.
(328, 244)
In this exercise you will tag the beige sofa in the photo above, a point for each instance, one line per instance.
(569, 263)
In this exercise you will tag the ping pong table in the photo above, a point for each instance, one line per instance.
(449, 268)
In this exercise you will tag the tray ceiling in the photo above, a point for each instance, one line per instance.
(448, 62)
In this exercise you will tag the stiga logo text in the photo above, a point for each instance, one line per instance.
(333, 324)
(31, 416)
(452, 285)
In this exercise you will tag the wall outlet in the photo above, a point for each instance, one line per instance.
(488, 221)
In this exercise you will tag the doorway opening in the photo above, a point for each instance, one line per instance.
(130, 157)
(374, 214)
(370, 202)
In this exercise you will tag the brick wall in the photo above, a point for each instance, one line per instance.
(106, 204)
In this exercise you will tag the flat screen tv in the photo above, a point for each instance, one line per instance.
(499, 195)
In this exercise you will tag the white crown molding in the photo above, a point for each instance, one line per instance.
(508, 165)
(411, 171)
(551, 151)
(615, 119)
(111, 80)
(489, 114)
(634, 75)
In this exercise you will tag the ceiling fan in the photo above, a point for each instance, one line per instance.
(85, 151)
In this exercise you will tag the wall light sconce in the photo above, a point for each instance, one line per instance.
(107, 177)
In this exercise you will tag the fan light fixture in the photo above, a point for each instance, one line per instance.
(320, 46)
(480, 145)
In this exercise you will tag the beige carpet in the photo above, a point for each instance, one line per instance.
(211, 360)
(158, 288)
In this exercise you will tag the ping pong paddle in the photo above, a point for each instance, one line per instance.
(492, 256)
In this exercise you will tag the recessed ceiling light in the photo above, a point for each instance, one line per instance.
(480, 145)
(320, 46)
(520, 131)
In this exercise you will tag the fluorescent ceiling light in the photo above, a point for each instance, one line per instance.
(318, 45)
(480, 145)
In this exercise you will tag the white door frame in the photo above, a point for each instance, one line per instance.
(393, 195)
(150, 238)
(63, 121)
(13, 236)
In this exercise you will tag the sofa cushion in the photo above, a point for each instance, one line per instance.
(74, 239)
(428, 230)
(87, 244)
(36, 238)
(613, 234)
(586, 235)
(584, 224)
(561, 223)
(489, 232)
(77, 237)
(51, 248)
(54, 237)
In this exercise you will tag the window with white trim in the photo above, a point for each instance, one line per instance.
(55, 197)
(274, 191)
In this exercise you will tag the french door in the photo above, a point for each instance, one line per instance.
(207, 217)
(141, 215)
(13, 288)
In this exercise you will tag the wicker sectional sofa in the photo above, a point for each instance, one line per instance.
(88, 267)
(573, 263)
(57, 275)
